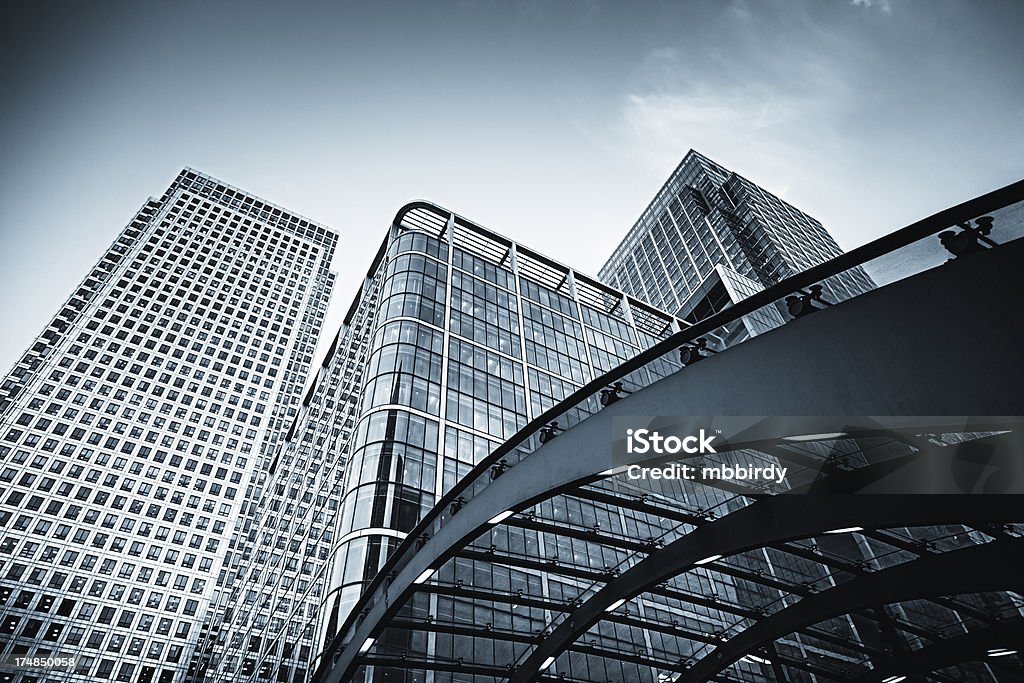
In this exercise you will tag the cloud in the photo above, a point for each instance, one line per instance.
(753, 125)
(780, 99)
(766, 124)
(748, 111)
(882, 5)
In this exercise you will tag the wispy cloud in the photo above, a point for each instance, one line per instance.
(772, 122)
(882, 5)
(750, 110)
(743, 126)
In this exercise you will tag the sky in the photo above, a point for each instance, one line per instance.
(554, 123)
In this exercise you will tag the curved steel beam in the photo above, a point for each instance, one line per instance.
(972, 646)
(569, 461)
(993, 566)
(770, 521)
(888, 244)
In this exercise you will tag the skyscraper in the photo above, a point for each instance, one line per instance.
(134, 431)
(551, 561)
(710, 237)
(180, 363)
(458, 337)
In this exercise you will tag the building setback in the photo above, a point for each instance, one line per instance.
(135, 430)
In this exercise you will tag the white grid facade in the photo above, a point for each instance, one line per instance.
(134, 432)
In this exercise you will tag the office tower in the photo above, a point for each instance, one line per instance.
(551, 561)
(269, 622)
(711, 237)
(298, 589)
(135, 430)
(462, 336)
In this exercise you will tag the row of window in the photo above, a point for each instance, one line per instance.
(130, 360)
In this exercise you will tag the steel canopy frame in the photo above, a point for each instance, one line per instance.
(918, 230)
(774, 520)
(971, 646)
(521, 487)
(955, 572)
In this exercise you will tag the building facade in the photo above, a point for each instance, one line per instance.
(135, 432)
(551, 561)
(461, 337)
(175, 509)
(457, 338)
(271, 628)
(709, 234)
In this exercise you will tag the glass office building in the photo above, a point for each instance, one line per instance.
(135, 432)
(462, 336)
(457, 338)
(708, 228)
(488, 334)
(549, 562)
(174, 508)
